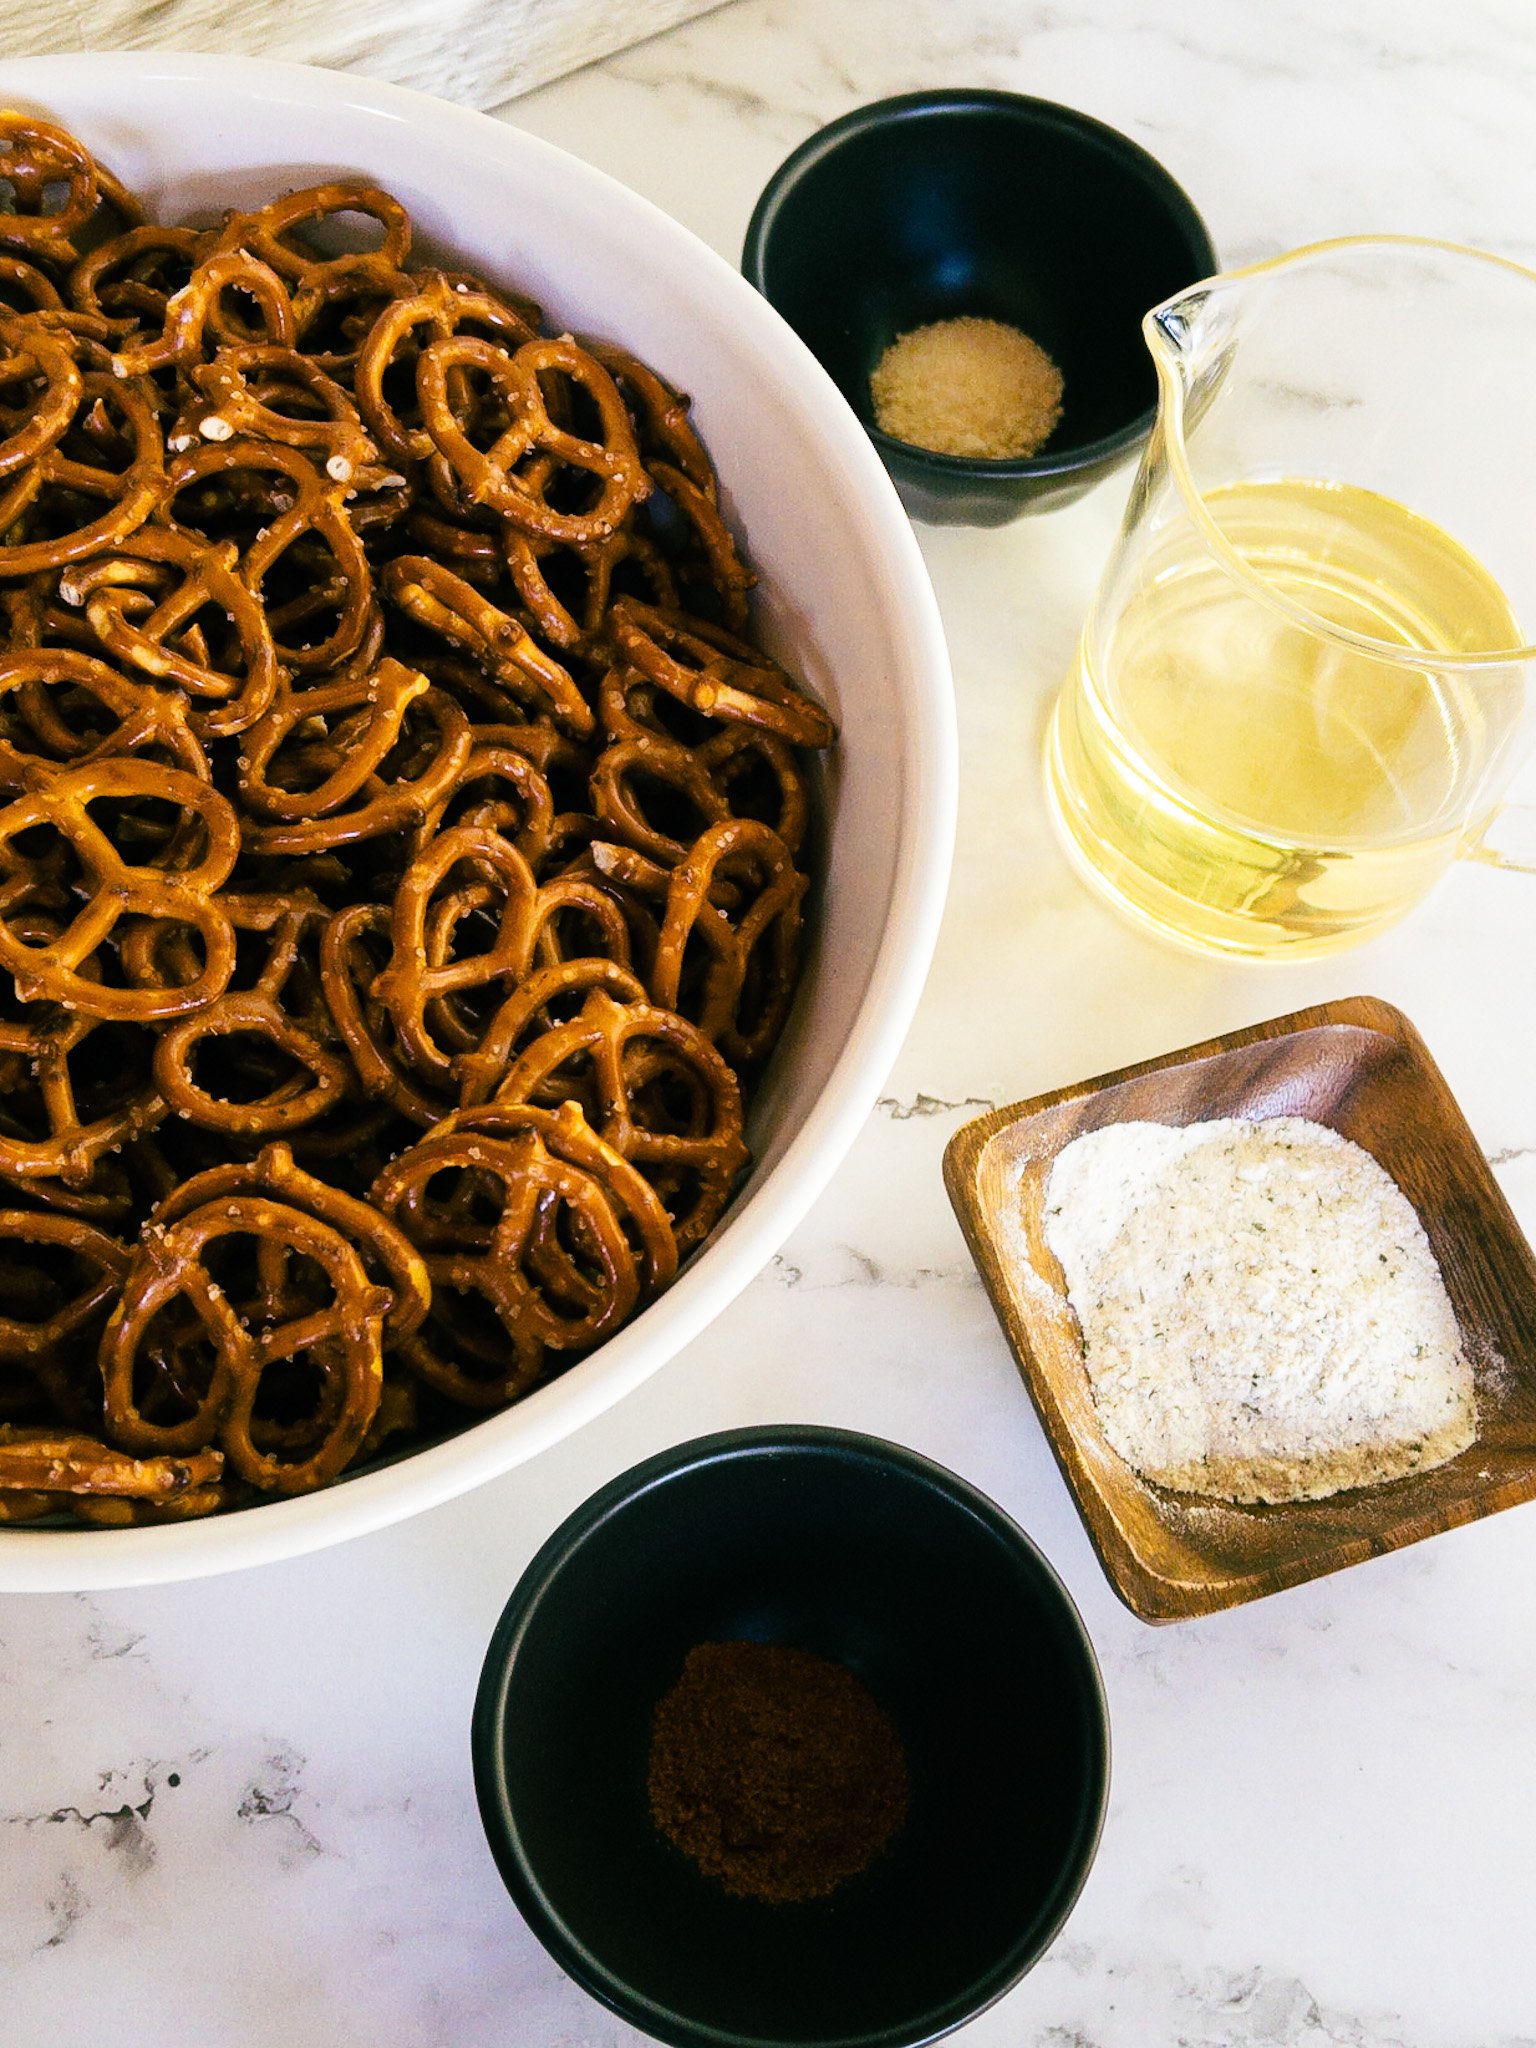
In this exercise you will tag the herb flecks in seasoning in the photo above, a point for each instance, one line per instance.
(1262, 1316)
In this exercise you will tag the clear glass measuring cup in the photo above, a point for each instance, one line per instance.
(1305, 682)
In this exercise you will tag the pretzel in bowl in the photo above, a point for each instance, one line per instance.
(576, 1237)
(400, 844)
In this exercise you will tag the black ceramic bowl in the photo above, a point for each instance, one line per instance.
(938, 204)
(860, 1552)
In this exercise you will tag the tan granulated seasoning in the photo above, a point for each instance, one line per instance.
(967, 387)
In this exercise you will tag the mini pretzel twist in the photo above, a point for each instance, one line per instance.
(193, 310)
(606, 1059)
(531, 1010)
(148, 719)
(36, 159)
(546, 1293)
(269, 231)
(565, 1132)
(756, 771)
(748, 978)
(716, 673)
(725, 573)
(304, 508)
(143, 596)
(270, 391)
(446, 604)
(258, 1012)
(662, 426)
(70, 1147)
(622, 775)
(499, 786)
(531, 565)
(120, 889)
(345, 792)
(341, 1335)
(390, 1258)
(49, 1462)
(55, 1345)
(438, 308)
(132, 277)
(353, 952)
(421, 969)
(575, 916)
(318, 519)
(36, 356)
(490, 476)
(131, 490)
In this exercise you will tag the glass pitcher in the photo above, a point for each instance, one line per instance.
(1305, 681)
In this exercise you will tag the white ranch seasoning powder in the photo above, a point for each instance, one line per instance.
(1262, 1316)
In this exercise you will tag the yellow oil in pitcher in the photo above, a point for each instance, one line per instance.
(1245, 782)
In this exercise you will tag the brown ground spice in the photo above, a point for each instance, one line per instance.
(775, 1770)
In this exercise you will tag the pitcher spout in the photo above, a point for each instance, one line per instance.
(1187, 331)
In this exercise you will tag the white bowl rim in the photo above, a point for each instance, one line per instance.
(81, 1560)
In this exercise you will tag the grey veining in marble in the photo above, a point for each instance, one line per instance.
(478, 52)
(239, 1813)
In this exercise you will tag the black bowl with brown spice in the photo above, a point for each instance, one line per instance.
(861, 1820)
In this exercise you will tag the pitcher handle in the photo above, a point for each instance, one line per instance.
(1516, 860)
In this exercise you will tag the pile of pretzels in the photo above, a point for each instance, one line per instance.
(399, 844)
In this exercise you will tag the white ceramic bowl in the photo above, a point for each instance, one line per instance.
(843, 599)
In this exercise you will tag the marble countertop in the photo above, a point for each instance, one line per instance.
(240, 1813)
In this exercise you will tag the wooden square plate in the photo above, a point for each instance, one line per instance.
(1361, 1068)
